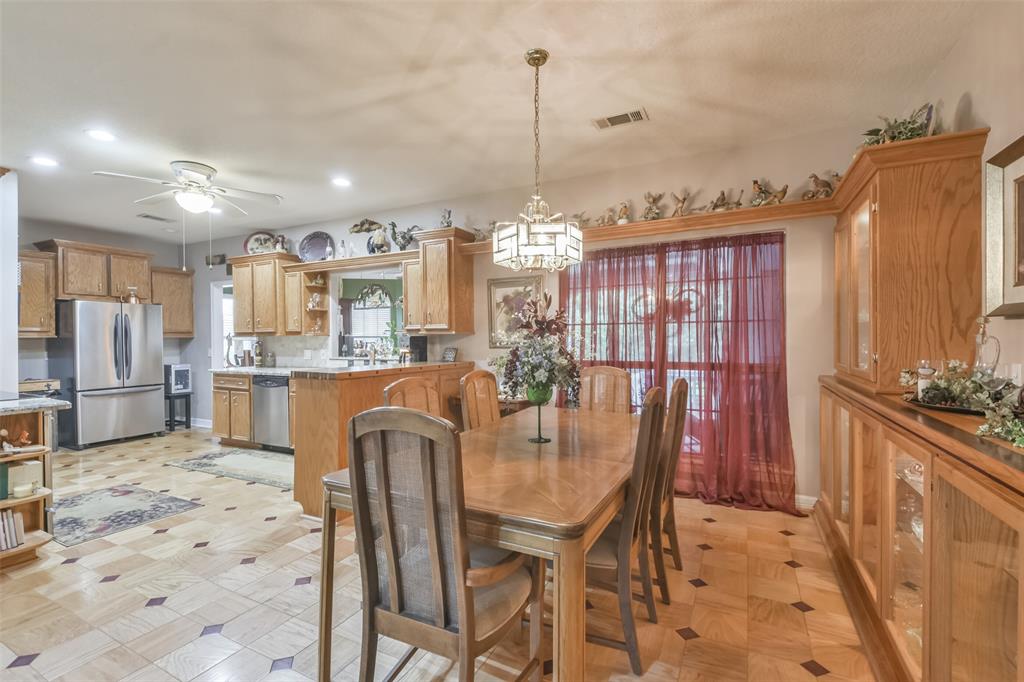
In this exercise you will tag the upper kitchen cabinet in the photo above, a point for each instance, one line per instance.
(172, 288)
(36, 294)
(259, 288)
(908, 257)
(438, 288)
(96, 271)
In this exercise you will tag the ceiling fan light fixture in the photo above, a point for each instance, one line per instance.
(214, 210)
(194, 202)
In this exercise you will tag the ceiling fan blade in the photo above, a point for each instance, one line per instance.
(247, 195)
(232, 204)
(156, 198)
(108, 174)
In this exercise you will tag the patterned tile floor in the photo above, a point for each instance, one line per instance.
(229, 591)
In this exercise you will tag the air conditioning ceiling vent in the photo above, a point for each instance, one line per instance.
(635, 116)
(159, 219)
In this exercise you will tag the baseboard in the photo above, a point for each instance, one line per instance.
(202, 423)
(803, 502)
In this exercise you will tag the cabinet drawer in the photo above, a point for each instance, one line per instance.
(234, 381)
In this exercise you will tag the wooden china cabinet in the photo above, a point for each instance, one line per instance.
(922, 517)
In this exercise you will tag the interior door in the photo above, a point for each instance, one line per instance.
(143, 333)
(97, 344)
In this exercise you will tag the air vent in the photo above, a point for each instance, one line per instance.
(635, 116)
(159, 219)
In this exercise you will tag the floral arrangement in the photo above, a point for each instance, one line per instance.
(918, 124)
(957, 386)
(538, 358)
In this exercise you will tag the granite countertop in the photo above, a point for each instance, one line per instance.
(19, 403)
(257, 371)
(344, 372)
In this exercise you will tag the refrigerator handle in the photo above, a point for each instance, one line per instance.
(117, 346)
(127, 347)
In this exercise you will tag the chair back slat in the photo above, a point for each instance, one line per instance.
(405, 469)
(635, 516)
(417, 393)
(605, 389)
(479, 393)
(672, 439)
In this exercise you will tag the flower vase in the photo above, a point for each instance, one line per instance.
(539, 396)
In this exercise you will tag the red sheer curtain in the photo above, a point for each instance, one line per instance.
(711, 311)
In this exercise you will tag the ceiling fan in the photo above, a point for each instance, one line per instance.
(193, 188)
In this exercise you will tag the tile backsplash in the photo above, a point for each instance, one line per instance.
(290, 351)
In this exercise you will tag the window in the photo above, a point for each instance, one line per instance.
(365, 314)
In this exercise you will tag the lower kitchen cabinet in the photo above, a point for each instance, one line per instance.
(232, 407)
(927, 543)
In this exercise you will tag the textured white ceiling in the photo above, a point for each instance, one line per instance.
(423, 101)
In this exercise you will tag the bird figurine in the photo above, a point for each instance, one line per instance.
(403, 238)
(652, 211)
(378, 240)
(680, 208)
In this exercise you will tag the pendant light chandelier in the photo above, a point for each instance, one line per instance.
(537, 239)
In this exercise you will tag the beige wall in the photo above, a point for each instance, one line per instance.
(981, 83)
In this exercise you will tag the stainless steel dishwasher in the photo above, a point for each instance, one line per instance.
(270, 410)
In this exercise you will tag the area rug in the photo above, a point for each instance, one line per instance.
(87, 516)
(259, 466)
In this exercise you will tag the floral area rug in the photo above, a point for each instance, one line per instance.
(259, 466)
(95, 514)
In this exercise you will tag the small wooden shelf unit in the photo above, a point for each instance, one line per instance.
(34, 508)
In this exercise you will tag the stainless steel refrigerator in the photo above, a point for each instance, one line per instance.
(109, 358)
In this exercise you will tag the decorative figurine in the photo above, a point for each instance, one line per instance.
(652, 211)
(820, 188)
(764, 196)
(402, 238)
(580, 219)
(624, 214)
(378, 240)
(485, 235)
(328, 252)
(680, 209)
(722, 203)
(921, 123)
(446, 217)
(836, 179)
(607, 218)
(281, 244)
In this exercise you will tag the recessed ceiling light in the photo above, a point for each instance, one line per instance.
(101, 135)
(216, 211)
(170, 229)
(341, 182)
(44, 161)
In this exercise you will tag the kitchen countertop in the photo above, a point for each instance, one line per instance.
(20, 403)
(394, 368)
(265, 371)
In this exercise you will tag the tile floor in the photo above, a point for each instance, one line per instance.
(228, 591)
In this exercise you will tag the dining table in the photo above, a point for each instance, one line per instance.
(550, 500)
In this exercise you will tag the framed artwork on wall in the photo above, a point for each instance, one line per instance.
(1004, 231)
(505, 298)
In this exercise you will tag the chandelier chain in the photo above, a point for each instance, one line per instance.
(536, 130)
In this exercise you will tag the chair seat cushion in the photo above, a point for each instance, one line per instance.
(605, 552)
(495, 604)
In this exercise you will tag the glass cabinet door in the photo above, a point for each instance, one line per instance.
(975, 597)
(866, 539)
(863, 343)
(908, 482)
(826, 429)
(841, 442)
(843, 294)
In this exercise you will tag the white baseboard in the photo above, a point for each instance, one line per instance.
(804, 502)
(202, 423)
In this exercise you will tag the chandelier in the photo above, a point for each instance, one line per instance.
(537, 239)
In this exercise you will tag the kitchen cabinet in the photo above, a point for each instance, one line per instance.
(173, 289)
(258, 294)
(293, 302)
(438, 289)
(908, 257)
(128, 272)
(36, 294)
(232, 407)
(932, 560)
(83, 272)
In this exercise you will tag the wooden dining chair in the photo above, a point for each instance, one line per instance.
(424, 582)
(479, 393)
(417, 393)
(663, 507)
(610, 559)
(605, 389)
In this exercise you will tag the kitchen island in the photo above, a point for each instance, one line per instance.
(326, 398)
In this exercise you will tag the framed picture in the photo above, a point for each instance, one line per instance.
(506, 297)
(1004, 231)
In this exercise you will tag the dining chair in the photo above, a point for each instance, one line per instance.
(663, 507)
(479, 393)
(424, 582)
(606, 389)
(610, 559)
(417, 393)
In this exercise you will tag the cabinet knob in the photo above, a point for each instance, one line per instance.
(874, 358)
(258, 322)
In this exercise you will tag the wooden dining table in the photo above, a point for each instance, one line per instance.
(551, 500)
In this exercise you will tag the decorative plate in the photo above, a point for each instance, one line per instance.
(314, 246)
(946, 408)
(258, 242)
